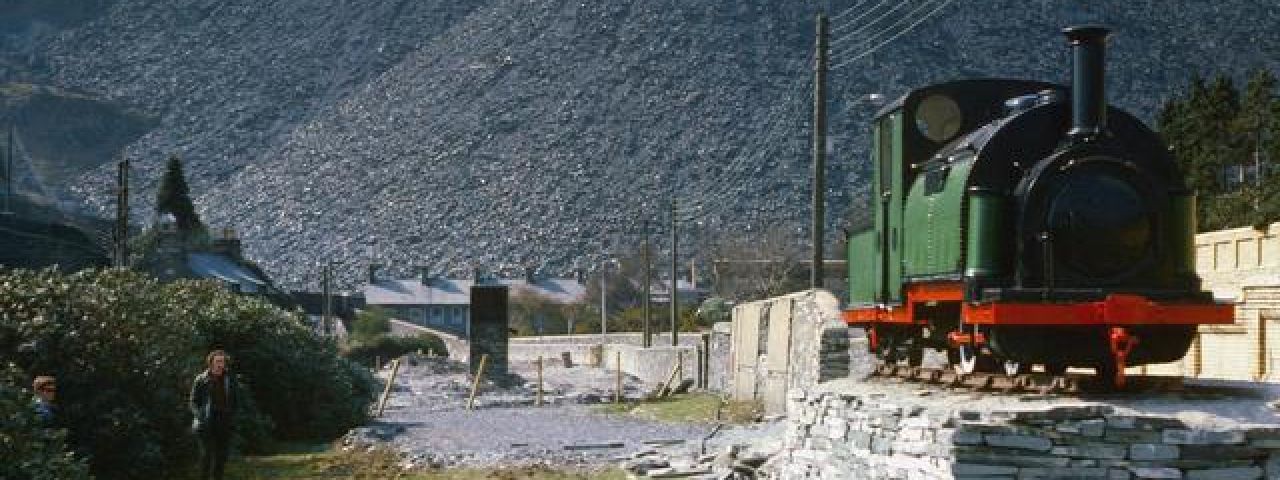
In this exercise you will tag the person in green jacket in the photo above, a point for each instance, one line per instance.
(212, 403)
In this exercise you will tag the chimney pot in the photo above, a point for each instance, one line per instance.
(1088, 93)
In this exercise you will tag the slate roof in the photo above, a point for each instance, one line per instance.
(445, 291)
(221, 267)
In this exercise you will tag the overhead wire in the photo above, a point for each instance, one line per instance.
(875, 21)
(913, 25)
(854, 20)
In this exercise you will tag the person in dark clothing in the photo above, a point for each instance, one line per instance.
(46, 388)
(213, 400)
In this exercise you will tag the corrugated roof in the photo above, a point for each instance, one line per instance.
(445, 291)
(221, 267)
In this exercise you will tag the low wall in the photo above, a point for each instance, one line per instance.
(652, 365)
(791, 341)
(623, 338)
(720, 359)
(887, 436)
(458, 347)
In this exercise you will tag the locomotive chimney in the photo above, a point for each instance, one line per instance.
(1088, 97)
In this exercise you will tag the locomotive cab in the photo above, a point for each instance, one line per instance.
(1012, 216)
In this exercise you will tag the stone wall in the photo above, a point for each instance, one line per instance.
(719, 363)
(458, 347)
(873, 436)
(806, 342)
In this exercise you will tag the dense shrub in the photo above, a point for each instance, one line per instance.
(125, 349)
(28, 450)
(386, 347)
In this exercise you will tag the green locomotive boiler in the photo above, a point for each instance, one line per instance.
(1021, 222)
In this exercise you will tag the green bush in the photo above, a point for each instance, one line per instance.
(28, 450)
(386, 347)
(125, 349)
(370, 323)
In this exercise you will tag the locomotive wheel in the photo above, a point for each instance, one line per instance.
(1105, 376)
(888, 349)
(915, 355)
(1013, 369)
(970, 361)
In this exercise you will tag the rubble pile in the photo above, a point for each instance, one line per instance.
(874, 436)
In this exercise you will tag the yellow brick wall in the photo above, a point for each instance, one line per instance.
(1240, 265)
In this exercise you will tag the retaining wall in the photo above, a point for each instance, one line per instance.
(873, 436)
(458, 347)
(652, 365)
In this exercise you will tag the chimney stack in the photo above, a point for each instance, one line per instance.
(424, 275)
(531, 275)
(373, 273)
(1088, 95)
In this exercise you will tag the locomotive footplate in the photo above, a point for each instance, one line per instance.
(1116, 309)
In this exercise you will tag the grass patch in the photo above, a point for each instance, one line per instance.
(689, 408)
(320, 462)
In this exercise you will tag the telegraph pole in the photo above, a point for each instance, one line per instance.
(122, 212)
(819, 149)
(327, 310)
(604, 306)
(674, 297)
(8, 174)
(648, 281)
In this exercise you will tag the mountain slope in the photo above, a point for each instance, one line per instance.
(505, 133)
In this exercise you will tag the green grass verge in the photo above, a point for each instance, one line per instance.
(310, 461)
(688, 408)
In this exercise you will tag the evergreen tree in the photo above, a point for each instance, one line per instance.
(1217, 136)
(174, 198)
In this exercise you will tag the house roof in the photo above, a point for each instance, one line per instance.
(445, 291)
(221, 267)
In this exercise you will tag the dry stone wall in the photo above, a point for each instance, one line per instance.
(871, 436)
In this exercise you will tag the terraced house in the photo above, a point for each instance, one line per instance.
(445, 303)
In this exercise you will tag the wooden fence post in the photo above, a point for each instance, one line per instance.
(475, 384)
(386, 391)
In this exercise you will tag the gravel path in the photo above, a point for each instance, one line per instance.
(427, 419)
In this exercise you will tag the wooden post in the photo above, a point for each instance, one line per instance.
(539, 397)
(617, 394)
(680, 363)
(386, 391)
(1261, 371)
(475, 384)
(666, 386)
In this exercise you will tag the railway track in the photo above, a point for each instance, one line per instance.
(1037, 383)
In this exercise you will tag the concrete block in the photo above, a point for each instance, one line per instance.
(1023, 442)
(1153, 451)
(1092, 450)
(1131, 436)
(1065, 413)
(971, 469)
(1092, 428)
(1121, 421)
(1220, 452)
(881, 445)
(1238, 473)
(1007, 457)
(1181, 436)
(1155, 473)
(908, 447)
(1037, 473)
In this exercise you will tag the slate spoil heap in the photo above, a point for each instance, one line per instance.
(873, 436)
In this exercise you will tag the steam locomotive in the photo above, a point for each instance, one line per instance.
(1020, 222)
